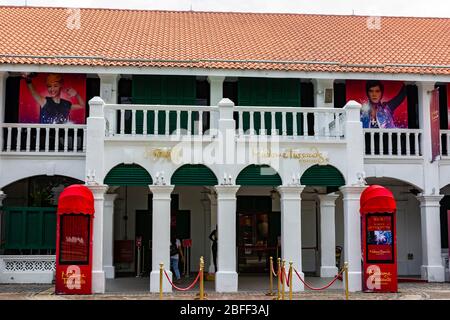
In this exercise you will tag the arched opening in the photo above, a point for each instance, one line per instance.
(320, 181)
(409, 233)
(258, 218)
(28, 215)
(131, 218)
(192, 216)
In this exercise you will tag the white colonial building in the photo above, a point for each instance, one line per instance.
(240, 121)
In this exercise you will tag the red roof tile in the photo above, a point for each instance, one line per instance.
(300, 42)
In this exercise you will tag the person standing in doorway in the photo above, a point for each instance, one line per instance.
(175, 254)
(213, 237)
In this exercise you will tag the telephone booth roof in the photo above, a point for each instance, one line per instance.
(377, 199)
(76, 198)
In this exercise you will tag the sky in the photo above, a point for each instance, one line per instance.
(417, 8)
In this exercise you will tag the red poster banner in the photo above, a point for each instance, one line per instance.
(52, 98)
(435, 125)
(384, 103)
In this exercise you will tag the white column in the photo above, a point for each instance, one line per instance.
(160, 235)
(328, 235)
(291, 227)
(215, 95)
(226, 276)
(108, 87)
(320, 88)
(213, 223)
(352, 235)
(108, 236)
(355, 142)
(432, 268)
(95, 146)
(430, 170)
(98, 275)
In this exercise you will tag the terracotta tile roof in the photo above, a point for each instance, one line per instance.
(33, 35)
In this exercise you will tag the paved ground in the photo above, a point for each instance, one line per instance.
(256, 289)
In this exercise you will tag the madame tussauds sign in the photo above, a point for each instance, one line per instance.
(258, 155)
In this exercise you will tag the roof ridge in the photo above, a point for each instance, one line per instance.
(227, 12)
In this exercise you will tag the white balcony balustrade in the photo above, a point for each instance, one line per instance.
(393, 143)
(158, 120)
(290, 122)
(67, 139)
(445, 143)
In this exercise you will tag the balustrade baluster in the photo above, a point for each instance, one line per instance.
(263, 123)
(399, 145)
(133, 122)
(8, 140)
(305, 123)
(84, 139)
(294, 124)
(200, 123)
(144, 129)
(19, 139)
(372, 143)
(47, 139)
(189, 122)
(27, 147)
(122, 121)
(274, 129)
(252, 123)
(283, 124)
(75, 139)
(38, 139)
(167, 123)
(408, 147)
(390, 143)
(241, 123)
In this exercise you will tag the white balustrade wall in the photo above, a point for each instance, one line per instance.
(153, 120)
(42, 138)
(393, 142)
(290, 121)
(27, 269)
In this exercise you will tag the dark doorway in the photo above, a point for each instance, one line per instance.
(258, 231)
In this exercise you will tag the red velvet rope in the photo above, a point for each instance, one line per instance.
(323, 288)
(284, 276)
(273, 271)
(182, 289)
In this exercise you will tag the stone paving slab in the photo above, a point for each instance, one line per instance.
(407, 291)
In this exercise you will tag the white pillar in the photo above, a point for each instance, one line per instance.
(108, 87)
(215, 95)
(108, 236)
(95, 146)
(160, 235)
(291, 227)
(98, 275)
(328, 235)
(226, 276)
(354, 136)
(352, 235)
(322, 87)
(432, 268)
(430, 170)
(213, 223)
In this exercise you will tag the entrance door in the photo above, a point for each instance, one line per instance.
(256, 240)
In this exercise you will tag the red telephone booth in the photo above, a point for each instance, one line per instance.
(378, 240)
(74, 241)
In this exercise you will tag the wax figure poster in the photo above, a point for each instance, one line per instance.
(52, 98)
(384, 103)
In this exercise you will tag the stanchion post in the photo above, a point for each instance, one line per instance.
(202, 265)
(270, 277)
(161, 270)
(283, 282)
(346, 279)
(279, 278)
(290, 280)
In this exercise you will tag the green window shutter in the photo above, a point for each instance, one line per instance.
(322, 176)
(30, 228)
(258, 175)
(167, 90)
(194, 175)
(128, 175)
(270, 92)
